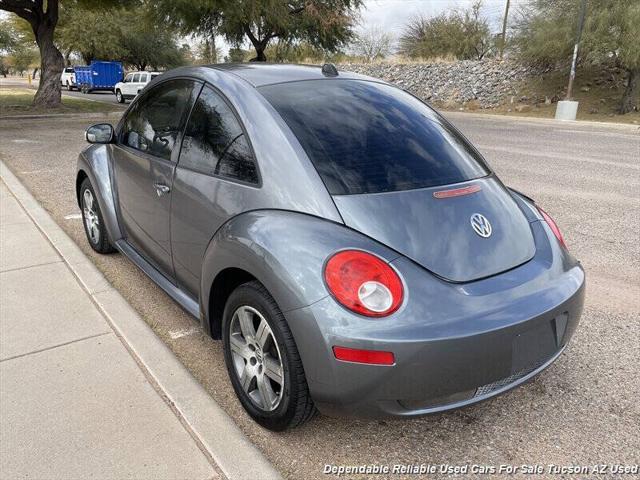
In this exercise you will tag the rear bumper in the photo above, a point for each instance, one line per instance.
(454, 344)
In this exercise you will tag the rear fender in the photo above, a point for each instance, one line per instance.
(94, 163)
(285, 251)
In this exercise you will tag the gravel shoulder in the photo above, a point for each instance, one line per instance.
(582, 410)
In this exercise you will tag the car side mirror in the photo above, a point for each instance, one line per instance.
(100, 133)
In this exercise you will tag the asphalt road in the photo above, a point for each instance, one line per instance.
(99, 96)
(584, 410)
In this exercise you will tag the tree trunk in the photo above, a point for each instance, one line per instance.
(52, 63)
(260, 56)
(631, 96)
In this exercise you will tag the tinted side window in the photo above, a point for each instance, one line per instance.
(214, 142)
(153, 125)
(136, 78)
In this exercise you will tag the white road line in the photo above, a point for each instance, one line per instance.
(183, 332)
(73, 216)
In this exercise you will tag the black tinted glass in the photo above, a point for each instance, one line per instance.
(214, 142)
(154, 123)
(365, 137)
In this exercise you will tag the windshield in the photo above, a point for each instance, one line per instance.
(366, 137)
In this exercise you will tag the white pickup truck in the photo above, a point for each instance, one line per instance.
(68, 78)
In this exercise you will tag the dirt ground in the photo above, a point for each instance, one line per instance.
(583, 410)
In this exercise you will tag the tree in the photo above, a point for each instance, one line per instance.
(93, 34)
(373, 43)
(288, 51)
(8, 37)
(126, 34)
(22, 58)
(235, 55)
(143, 43)
(323, 23)
(462, 34)
(8, 41)
(207, 52)
(615, 31)
(43, 19)
(18, 51)
(545, 34)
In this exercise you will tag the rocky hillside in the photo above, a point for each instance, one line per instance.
(488, 83)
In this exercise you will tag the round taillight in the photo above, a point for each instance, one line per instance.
(554, 227)
(363, 283)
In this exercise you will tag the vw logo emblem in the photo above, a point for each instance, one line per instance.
(480, 225)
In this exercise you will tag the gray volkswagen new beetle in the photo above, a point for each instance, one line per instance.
(353, 251)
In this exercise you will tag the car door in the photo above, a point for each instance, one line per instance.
(144, 160)
(132, 90)
(126, 84)
(141, 83)
(216, 178)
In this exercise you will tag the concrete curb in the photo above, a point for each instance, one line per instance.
(543, 121)
(213, 430)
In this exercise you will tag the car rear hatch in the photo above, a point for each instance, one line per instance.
(401, 174)
(433, 227)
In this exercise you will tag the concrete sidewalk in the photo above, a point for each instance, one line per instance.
(77, 399)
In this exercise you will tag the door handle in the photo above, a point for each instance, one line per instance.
(161, 189)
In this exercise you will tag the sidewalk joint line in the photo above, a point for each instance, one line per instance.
(17, 269)
(46, 349)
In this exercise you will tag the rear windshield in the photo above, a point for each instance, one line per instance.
(366, 137)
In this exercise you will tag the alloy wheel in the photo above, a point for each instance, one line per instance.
(90, 213)
(256, 358)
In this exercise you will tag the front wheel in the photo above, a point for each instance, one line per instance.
(263, 361)
(119, 96)
(93, 221)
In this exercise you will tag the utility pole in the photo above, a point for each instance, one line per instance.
(572, 75)
(504, 29)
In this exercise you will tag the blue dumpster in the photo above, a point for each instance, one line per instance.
(100, 75)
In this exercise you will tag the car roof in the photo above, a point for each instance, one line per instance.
(259, 74)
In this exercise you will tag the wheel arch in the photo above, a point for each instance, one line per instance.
(284, 251)
(80, 177)
(93, 163)
(225, 282)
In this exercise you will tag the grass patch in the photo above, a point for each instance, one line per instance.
(599, 94)
(17, 101)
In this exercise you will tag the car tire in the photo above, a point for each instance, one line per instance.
(119, 96)
(289, 402)
(93, 221)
